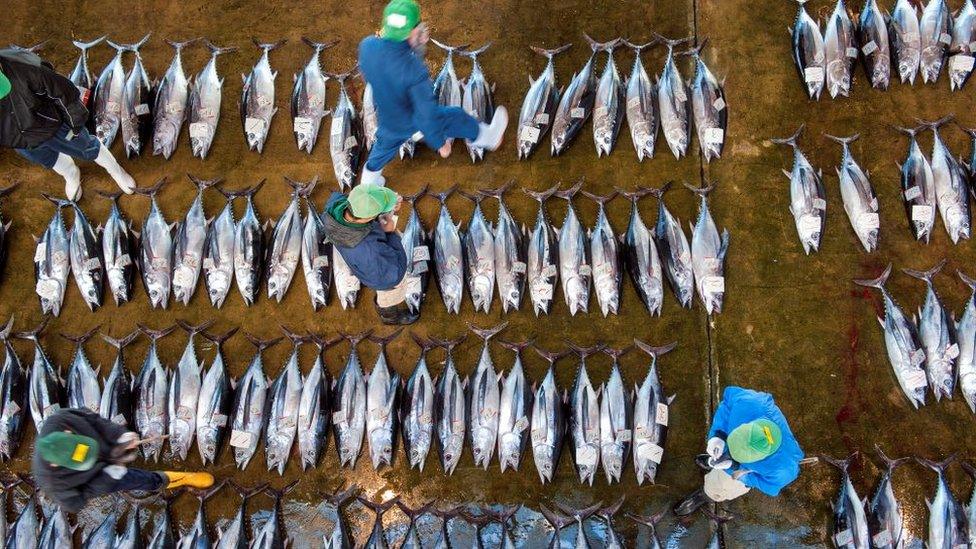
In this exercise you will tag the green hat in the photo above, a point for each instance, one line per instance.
(754, 441)
(399, 18)
(367, 201)
(68, 450)
(4, 86)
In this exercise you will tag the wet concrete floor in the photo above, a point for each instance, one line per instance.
(793, 324)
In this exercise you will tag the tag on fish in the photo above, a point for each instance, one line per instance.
(962, 62)
(577, 112)
(50, 409)
(719, 104)
(529, 134)
(142, 109)
(518, 267)
(809, 224)
(119, 419)
(679, 93)
(585, 270)
(869, 48)
(714, 284)
(40, 253)
(339, 418)
(520, 425)
(882, 538)
(419, 268)
(868, 221)
(240, 439)
(819, 204)
(184, 413)
(586, 456)
(302, 125)
(421, 253)
(661, 414)
(918, 357)
(952, 352)
(542, 291)
(218, 420)
(945, 38)
(199, 130)
(852, 52)
(549, 270)
(714, 136)
(650, 451)
(844, 538)
(377, 414)
(922, 212)
(253, 126)
(912, 193)
(541, 119)
(813, 75)
(623, 435)
(915, 379)
(208, 263)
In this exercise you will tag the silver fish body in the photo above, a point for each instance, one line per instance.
(308, 99)
(642, 110)
(346, 283)
(542, 257)
(150, 386)
(218, 255)
(44, 385)
(449, 258)
(514, 413)
(484, 400)
(169, 111)
(417, 412)
(510, 257)
(708, 251)
(136, 117)
(548, 425)
(575, 106)
(188, 246)
(82, 386)
(371, 121)
(860, 200)
(81, 75)
(947, 517)
(616, 417)
(86, 259)
(156, 254)
(952, 188)
(885, 521)
(203, 110)
(540, 104)
(284, 403)
(285, 246)
(584, 425)
(214, 406)
(906, 40)
(349, 409)
(809, 52)
(609, 105)
(872, 36)
(709, 109)
(249, 251)
(918, 190)
(675, 252)
(346, 138)
(963, 35)
(641, 259)
(672, 100)
(605, 258)
(935, 27)
(417, 247)
(850, 525)
(447, 85)
(314, 409)
(258, 99)
(450, 415)
(479, 258)
(13, 400)
(575, 269)
(937, 333)
(118, 399)
(840, 49)
(118, 247)
(808, 199)
(249, 409)
(476, 98)
(52, 264)
(382, 389)
(316, 258)
(107, 99)
(184, 395)
(650, 418)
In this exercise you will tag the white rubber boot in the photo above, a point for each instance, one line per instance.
(372, 178)
(66, 168)
(490, 135)
(121, 177)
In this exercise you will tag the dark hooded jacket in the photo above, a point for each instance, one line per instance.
(376, 257)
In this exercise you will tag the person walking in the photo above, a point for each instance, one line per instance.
(80, 455)
(750, 445)
(43, 117)
(392, 64)
(362, 227)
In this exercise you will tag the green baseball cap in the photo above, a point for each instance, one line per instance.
(76, 452)
(367, 201)
(399, 18)
(4, 85)
(754, 441)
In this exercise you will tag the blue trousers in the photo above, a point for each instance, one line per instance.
(83, 146)
(138, 479)
(454, 122)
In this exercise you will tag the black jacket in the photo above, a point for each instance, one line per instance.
(39, 102)
(72, 489)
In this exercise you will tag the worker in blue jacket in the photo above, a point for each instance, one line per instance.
(392, 64)
(362, 228)
(750, 445)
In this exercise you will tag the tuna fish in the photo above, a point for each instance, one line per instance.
(371, 121)
(13, 400)
(484, 400)
(651, 523)
(138, 96)
(102, 535)
(107, 99)
(151, 412)
(576, 104)
(558, 523)
(156, 250)
(616, 418)
(579, 516)
(970, 511)
(918, 188)
(381, 406)
(341, 538)
(284, 400)
(82, 381)
(417, 246)
(249, 248)
(640, 256)
(539, 105)
(377, 537)
(574, 256)
(642, 110)
(850, 525)
(85, 254)
(349, 406)
(258, 97)
(860, 201)
(25, 529)
(872, 36)
(52, 263)
(5, 228)
(906, 45)
(450, 414)
(214, 404)
(947, 517)
(935, 27)
(272, 533)
(44, 385)
(808, 199)
(966, 337)
(479, 256)
(610, 103)
(675, 250)
(448, 256)
(346, 283)
(198, 536)
(542, 256)
(218, 253)
(188, 245)
(81, 75)
(308, 98)
(316, 257)
(884, 512)
(185, 389)
(605, 257)
(204, 103)
(584, 418)
(548, 420)
(951, 186)
(118, 400)
(613, 539)
(905, 353)
(417, 409)
(131, 537)
(56, 531)
(118, 247)
(447, 86)
(809, 52)
(937, 335)
(169, 111)
(708, 251)
(250, 403)
(285, 247)
(672, 100)
(514, 411)
(962, 55)
(651, 415)
(346, 138)
(708, 107)
(412, 538)
(840, 48)
(476, 98)
(443, 540)
(314, 408)
(234, 535)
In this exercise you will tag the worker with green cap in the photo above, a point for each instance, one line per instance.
(750, 445)
(393, 66)
(79, 455)
(362, 228)
(43, 117)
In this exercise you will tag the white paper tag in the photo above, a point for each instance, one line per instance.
(952, 352)
(541, 119)
(852, 52)
(339, 418)
(679, 92)
(240, 439)
(208, 263)
(336, 127)
(40, 253)
(421, 253)
(714, 135)
(302, 125)
(819, 204)
(921, 212)
(320, 262)
(542, 292)
(962, 62)
(586, 456)
(650, 451)
(843, 538)
(585, 270)
(520, 425)
(199, 130)
(661, 414)
(119, 419)
(577, 112)
(714, 284)
(869, 48)
(912, 193)
(91, 264)
(813, 75)
(549, 270)
(719, 104)
(918, 357)
(253, 126)
(945, 38)
(218, 420)
(350, 142)
(184, 413)
(972, 46)
(882, 538)
(142, 109)
(530, 134)
(623, 435)
(123, 261)
(809, 224)
(868, 220)
(518, 267)
(915, 379)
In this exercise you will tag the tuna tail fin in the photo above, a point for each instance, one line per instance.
(134, 48)
(579, 514)
(487, 333)
(205, 494)
(473, 54)
(178, 46)
(449, 344)
(443, 196)
(59, 202)
(791, 140)
(716, 518)
(248, 492)
(79, 339)
(516, 346)
(841, 464)
(320, 46)
(971, 282)
(633, 196)
(615, 354)
(302, 189)
(910, 132)
(557, 520)
(343, 76)
(378, 508)
(550, 53)
(354, 339)
(219, 339)
(503, 516)
(638, 48)
(844, 141)
(412, 514)
(968, 467)
(658, 193)
(498, 192)
(122, 342)
(934, 125)
(262, 344)
(542, 196)
(216, 50)
(479, 521)
(413, 198)
(550, 356)
(876, 282)
(450, 49)
(151, 191)
(584, 352)
(276, 493)
(85, 46)
(569, 193)
(655, 352)
(119, 48)
(383, 341)
(295, 337)
(937, 466)
(971, 132)
(7, 329)
(648, 520)
(601, 200)
(32, 334)
(701, 191)
(324, 343)
(268, 46)
(601, 46)
(476, 197)
(611, 510)
(203, 184)
(113, 196)
(424, 344)
(342, 497)
(671, 42)
(193, 330)
(890, 463)
(926, 275)
(155, 334)
(31, 49)
(695, 51)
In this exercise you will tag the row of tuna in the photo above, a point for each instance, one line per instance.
(647, 105)
(931, 349)
(878, 522)
(27, 531)
(942, 184)
(605, 424)
(911, 43)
